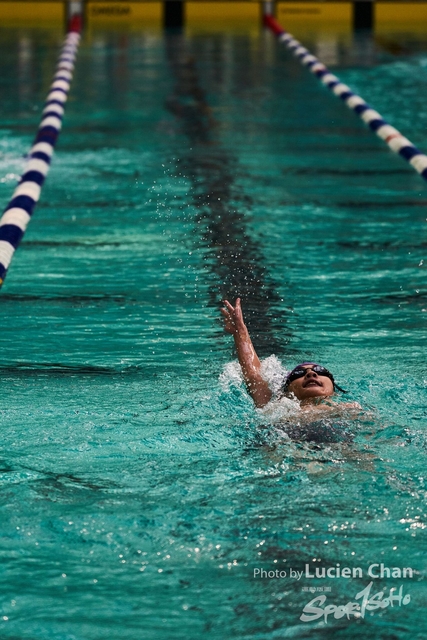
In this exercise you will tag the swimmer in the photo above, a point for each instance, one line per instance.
(308, 382)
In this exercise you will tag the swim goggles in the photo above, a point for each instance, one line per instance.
(300, 371)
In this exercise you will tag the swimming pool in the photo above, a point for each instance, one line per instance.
(139, 496)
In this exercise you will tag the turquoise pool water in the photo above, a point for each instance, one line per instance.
(139, 493)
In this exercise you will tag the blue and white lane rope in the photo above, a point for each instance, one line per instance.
(395, 140)
(17, 214)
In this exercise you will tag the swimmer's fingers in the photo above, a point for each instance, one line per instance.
(238, 316)
(229, 324)
(233, 316)
(229, 306)
(238, 311)
(226, 314)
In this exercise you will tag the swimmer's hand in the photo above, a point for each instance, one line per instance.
(233, 318)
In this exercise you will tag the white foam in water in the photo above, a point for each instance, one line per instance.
(274, 372)
(231, 376)
(280, 410)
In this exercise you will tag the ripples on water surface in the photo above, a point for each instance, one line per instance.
(139, 489)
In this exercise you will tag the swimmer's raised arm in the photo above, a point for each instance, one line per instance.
(251, 367)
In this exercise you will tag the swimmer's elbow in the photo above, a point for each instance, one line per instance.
(260, 404)
(259, 390)
(261, 397)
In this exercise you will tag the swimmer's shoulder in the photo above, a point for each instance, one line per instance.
(349, 405)
(329, 407)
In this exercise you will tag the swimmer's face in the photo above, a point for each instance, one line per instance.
(311, 385)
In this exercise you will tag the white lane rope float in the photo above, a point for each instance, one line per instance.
(18, 212)
(395, 140)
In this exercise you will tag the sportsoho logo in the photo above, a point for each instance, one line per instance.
(364, 601)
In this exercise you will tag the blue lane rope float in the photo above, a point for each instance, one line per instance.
(395, 140)
(17, 214)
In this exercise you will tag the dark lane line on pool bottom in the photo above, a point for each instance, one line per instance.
(234, 258)
(78, 300)
(27, 369)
